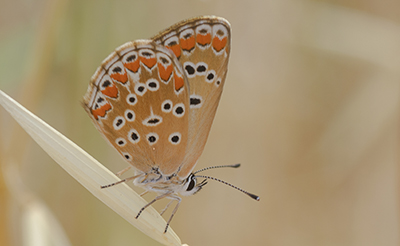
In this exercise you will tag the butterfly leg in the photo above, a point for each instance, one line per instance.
(144, 193)
(167, 194)
(123, 171)
(166, 207)
(177, 198)
(121, 181)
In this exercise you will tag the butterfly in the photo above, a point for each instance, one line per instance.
(154, 101)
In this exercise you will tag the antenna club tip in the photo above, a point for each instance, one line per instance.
(255, 197)
(236, 165)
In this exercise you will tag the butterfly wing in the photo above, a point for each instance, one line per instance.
(202, 46)
(139, 100)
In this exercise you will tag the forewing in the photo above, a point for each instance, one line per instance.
(139, 100)
(202, 46)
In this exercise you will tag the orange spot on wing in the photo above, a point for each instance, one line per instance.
(176, 49)
(111, 91)
(132, 66)
(203, 39)
(149, 62)
(219, 44)
(179, 82)
(123, 78)
(165, 73)
(187, 44)
(101, 111)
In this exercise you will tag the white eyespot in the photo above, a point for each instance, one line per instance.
(203, 30)
(163, 59)
(147, 53)
(127, 156)
(99, 101)
(140, 89)
(190, 69)
(179, 110)
(131, 56)
(186, 34)
(196, 101)
(201, 68)
(117, 73)
(130, 61)
(118, 123)
(152, 120)
(152, 138)
(179, 81)
(164, 67)
(149, 58)
(133, 136)
(152, 85)
(130, 115)
(210, 76)
(171, 41)
(220, 31)
(218, 82)
(120, 142)
(219, 34)
(166, 106)
(175, 138)
(131, 99)
(105, 82)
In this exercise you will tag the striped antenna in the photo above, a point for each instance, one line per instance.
(206, 168)
(255, 197)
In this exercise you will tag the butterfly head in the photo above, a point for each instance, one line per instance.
(191, 186)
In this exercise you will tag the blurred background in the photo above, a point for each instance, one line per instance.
(310, 109)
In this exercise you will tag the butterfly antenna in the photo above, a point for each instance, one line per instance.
(206, 168)
(255, 197)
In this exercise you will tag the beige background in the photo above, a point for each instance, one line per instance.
(310, 109)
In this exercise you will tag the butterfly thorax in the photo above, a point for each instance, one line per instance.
(157, 182)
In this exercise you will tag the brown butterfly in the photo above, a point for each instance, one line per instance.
(155, 100)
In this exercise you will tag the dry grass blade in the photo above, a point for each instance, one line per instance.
(91, 174)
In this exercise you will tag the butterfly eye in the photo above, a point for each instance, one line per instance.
(192, 183)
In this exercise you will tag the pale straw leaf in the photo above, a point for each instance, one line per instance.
(91, 174)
